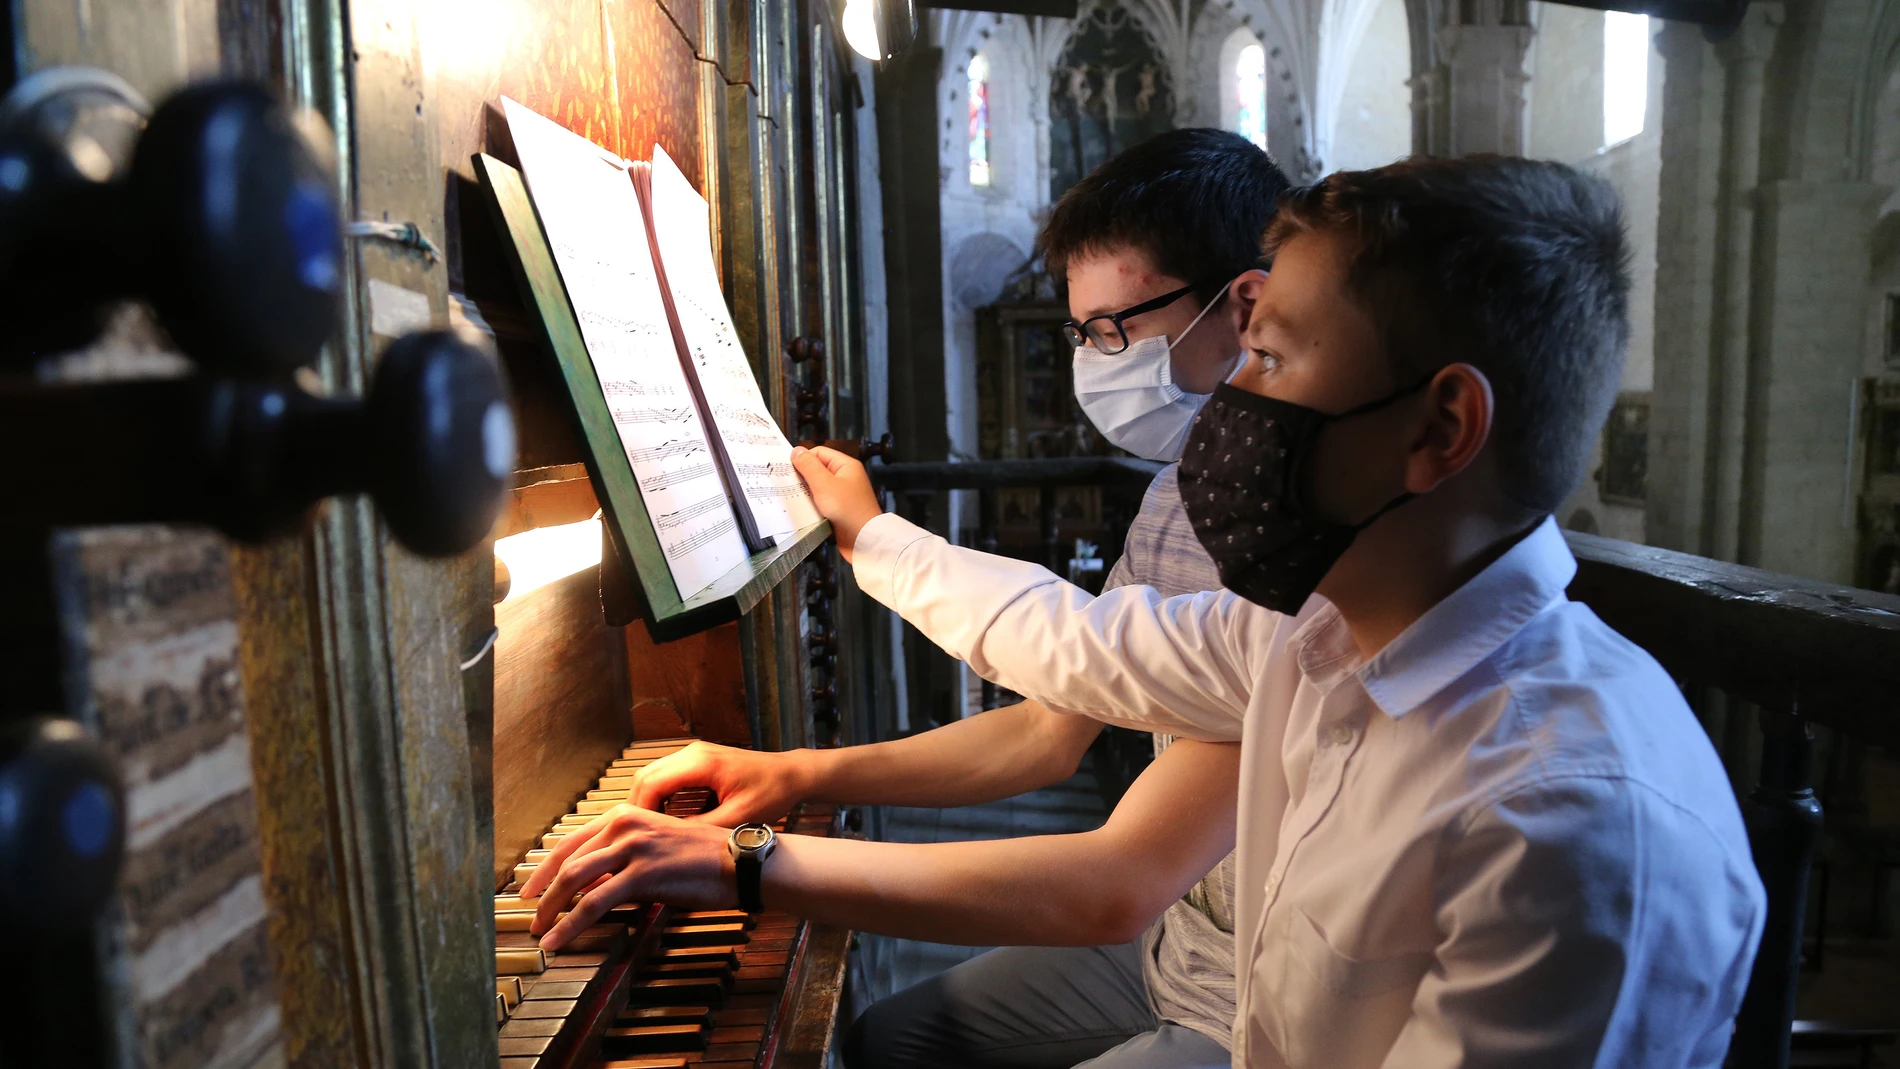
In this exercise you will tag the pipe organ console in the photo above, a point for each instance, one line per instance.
(650, 988)
(284, 395)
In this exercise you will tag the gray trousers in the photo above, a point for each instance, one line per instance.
(1029, 1008)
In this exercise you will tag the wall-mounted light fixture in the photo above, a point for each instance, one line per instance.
(535, 558)
(879, 29)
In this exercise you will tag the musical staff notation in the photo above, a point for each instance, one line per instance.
(670, 520)
(679, 447)
(754, 438)
(666, 480)
(621, 388)
(765, 471)
(705, 537)
(630, 416)
(743, 417)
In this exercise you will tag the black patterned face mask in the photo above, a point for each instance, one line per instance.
(1244, 475)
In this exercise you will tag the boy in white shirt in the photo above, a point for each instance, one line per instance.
(1477, 827)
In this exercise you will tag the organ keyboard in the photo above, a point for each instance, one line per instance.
(648, 987)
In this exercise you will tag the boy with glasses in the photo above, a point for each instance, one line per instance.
(1118, 944)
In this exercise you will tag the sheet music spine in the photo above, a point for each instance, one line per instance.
(641, 174)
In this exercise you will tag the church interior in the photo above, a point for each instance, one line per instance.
(337, 593)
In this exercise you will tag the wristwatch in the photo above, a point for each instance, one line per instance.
(750, 845)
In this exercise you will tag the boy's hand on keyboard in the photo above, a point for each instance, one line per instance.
(751, 785)
(841, 489)
(629, 854)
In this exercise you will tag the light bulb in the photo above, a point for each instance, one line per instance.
(860, 28)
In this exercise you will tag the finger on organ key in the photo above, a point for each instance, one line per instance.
(544, 873)
(592, 906)
(655, 783)
(576, 876)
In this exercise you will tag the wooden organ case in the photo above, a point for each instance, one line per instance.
(411, 736)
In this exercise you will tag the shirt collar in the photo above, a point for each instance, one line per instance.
(1458, 633)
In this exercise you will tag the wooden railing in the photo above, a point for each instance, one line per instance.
(1801, 653)
(1789, 653)
(916, 485)
(920, 492)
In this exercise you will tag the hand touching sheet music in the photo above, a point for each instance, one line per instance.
(760, 454)
(594, 225)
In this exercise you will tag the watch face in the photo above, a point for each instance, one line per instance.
(751, 838)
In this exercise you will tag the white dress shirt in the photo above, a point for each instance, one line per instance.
(1503, 840)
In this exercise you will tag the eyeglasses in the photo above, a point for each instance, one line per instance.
(1105, 332)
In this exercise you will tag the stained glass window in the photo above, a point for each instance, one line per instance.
(980, 120)
(1250, 94)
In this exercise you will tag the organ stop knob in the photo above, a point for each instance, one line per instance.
(225, 221)
(433, 444)
(62, 823)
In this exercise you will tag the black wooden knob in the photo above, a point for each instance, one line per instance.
(243, 248)
(821, 585)
(880, 448)
(433, 444)
(444, 441)
(62, 822)
(806, 347)
(225, 221)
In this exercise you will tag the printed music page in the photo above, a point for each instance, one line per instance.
(758, 451)
(599, 237)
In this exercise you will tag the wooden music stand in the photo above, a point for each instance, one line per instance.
(638, 577)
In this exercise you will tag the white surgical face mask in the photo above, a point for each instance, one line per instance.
(1131, 396)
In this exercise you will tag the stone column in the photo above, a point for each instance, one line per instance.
(1761, 296)
(1745, 56)
(1813, 267)
(1473, 101)
(1687, 246)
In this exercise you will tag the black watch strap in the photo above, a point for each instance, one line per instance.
(747, 867)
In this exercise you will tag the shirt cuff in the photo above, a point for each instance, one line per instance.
(874, 558)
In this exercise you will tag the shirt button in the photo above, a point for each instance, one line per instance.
(1273, 884)
(1339, 735)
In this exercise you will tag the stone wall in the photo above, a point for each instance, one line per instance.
(1769, 205)
(1374, 122)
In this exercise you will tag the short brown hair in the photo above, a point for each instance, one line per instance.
(1517, 267)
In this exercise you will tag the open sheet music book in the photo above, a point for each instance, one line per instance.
(633, 245)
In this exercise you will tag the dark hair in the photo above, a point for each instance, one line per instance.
(1196, 201)
(1517, 267)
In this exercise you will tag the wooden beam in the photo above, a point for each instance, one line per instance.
(1828, 653)
(999, 474)
(913, 249)
(1059, 9)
